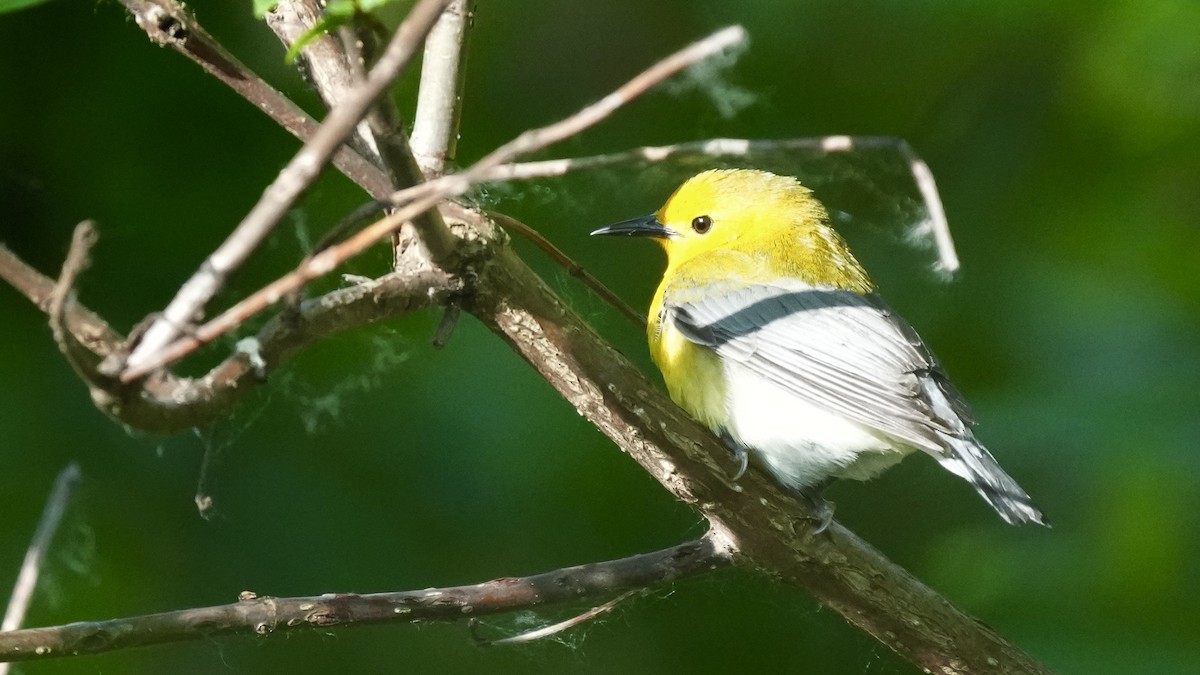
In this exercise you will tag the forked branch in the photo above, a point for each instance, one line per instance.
(416, 200)
(760, 526)
(284, 190)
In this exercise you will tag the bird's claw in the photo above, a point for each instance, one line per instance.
(739, 455)
(822, 510)
(743, 459)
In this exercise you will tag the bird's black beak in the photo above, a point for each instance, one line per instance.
(642, 226)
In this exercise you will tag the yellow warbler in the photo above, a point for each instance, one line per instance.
(768, 331)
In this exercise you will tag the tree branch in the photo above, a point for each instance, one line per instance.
(740, 147)
(765, 523)
(334, 68)
(56, 507)
(439, 101)
(292, 181)
(324, 61)
(420, 198)
(167, 23)
(762, 523)
(82, 360)
(575, 269)
(166, 403)
(265, 615)
(86, 326)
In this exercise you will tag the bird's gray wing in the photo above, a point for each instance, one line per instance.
(843, 351)
(850, 354)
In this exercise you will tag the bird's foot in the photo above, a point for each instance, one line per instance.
(739, 454)
(822, 509)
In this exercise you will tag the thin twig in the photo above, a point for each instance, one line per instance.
(536, 139)
(77, 260)
(575, 269)
(559, 627)
(52, 515)
(81, 358)
(87, 326)
(288, 186)
(740, 147)
(167, 403)
(335, 64)
(254, 615)
(420, 198)
(167, 23)
(324, 61)
(439, 101)
(435, 122)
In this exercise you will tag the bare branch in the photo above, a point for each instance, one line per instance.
(166, 403)
(335, 67)
(167, 23)
(739, 147)
(418, 199)
(180, 403)
(575, 269)
(87, 326)
(561, 626)
(770, 528)
(292, 181)
(324, 62)
(82, 360)
(56, 506)
(265, 615)
(536, 139)
(439, 101)
(327, 67)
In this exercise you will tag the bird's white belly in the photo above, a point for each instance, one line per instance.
(801, 443)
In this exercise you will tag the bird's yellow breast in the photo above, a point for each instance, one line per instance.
(693, 374)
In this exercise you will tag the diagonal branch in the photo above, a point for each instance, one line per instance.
(265, 615)
(85, 325)
(166, 403)
(740, 147)
(575, 269)
(292, 181)
(31, 566)
(324, 62)
(418, 199)
(167, 23)
(439, 101)
(335, 66)
(52, 515)
(766, 524)
(763, 523)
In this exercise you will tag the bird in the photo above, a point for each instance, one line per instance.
(769, 332)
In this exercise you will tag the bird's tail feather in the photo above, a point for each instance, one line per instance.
(974, 463)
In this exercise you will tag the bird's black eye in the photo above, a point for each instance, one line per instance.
(701, 224)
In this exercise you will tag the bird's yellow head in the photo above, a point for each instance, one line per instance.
(772, 222)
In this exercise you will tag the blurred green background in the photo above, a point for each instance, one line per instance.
(1065, 138)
